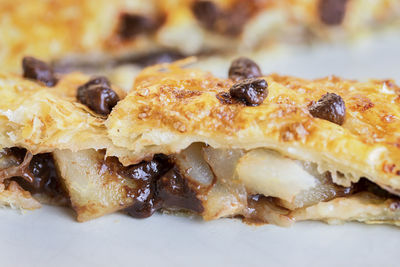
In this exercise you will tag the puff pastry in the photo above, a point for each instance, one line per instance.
(276, 161)
(183, 140)
(78, 33)
(41, 120)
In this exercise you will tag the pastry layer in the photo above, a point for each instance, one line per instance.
(41, 118)
(171, 107)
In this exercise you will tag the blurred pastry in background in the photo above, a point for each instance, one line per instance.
(88, 35)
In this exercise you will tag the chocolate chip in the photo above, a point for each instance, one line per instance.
(251, 92)
(142, 209)
(145, 175)
(330, 107)
(37, 173)
(46, 179)
(159, 185)
(332, 12)
(206, 12)
(43, 169)
(132, 25)
(98, 95)
(235, 18)
(228, 21)
(173, 192)
(244, 68)
(38, 70)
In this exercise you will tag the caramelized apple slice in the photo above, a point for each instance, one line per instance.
(271, 174)
(93, 187)
(263, 209)
(324, 190)
(222, 161)
(192, 165)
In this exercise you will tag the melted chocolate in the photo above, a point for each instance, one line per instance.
(16, 152)
(159, 185)
(145, 175)
(44, 170)
(366, 185)
(34, 173)
(174, 192)
(45, 178)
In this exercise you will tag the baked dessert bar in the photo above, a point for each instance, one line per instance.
(87, 34)
(266, 148)
(273, 148)
(41, 112)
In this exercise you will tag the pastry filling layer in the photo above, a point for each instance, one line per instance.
(259, 185)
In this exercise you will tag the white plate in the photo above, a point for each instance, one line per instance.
(51, 236)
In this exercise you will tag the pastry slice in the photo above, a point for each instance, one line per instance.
(268, 148)
(45, 116)
(55, 149)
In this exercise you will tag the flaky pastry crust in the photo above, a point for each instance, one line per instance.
(42, 119)
(171, 107)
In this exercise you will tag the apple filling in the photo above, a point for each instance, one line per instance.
(259, 185)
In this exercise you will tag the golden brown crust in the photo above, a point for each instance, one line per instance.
(169, 108)
(51, 119)
(42, 119)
